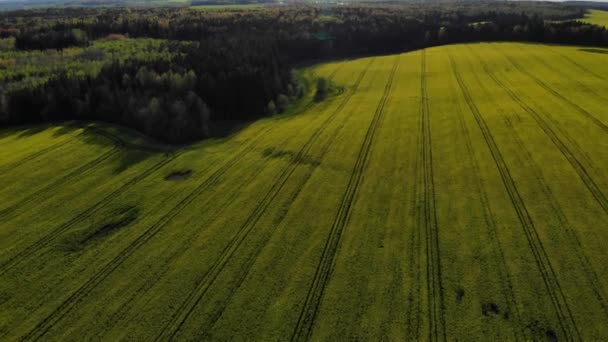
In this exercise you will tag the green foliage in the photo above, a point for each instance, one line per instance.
(282, 103)
(271, 108)
(322, 89)
(7, 44)
(28, 69)
(234, 61)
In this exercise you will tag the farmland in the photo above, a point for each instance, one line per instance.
(597, 17)
(456, 191)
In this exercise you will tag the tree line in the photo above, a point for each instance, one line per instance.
(239, 64)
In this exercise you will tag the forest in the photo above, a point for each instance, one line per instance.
(230, 65)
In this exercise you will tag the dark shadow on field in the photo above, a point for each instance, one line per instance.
(66, 129)
(31, 130)
(135, 148)
(119, 218)
(226, 128)
(276, 153)
(603, 51)
(6, 132)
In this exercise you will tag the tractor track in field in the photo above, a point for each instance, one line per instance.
(560, 305)
(8, 167)
(306, 320)
(245, 271)
(579, 65)
(590, 272)
(122, 311)
(582, 155)
(246, 267)
(47, 323)
(413, 307)
(428, 219)
(413, 301)
(179, 318)
(579, 168)
(557, 95)
(119, 143)
(13, 210)
(44, 241)
(559, 72)
(489, 218)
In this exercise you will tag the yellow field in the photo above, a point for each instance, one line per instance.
(597, 17)
(457, 192)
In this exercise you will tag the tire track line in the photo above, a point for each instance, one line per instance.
(120, 313)
(556, 94)
(434, 284)
(37, 154)
(591, 274)
(245, 271)
(558, 71)
(306, 320)
(187, 307)
(577, 246)
(247, 266)
(578, 166)
(560, 305)
(44, 241)
(503, 271)
(413, 307)
(13, 210)
(561, 146)
(58, 313)
(580, 66)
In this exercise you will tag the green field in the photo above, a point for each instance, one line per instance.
(457, 192)
(597, 17)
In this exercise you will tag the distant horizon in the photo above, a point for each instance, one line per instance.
(169, 1)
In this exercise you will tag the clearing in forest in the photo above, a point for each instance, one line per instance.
(597, 17)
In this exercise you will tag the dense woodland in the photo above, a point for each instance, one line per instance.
(238, 64)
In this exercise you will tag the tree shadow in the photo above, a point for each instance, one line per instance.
(30, 131)
(128, 148)
(66, 128)
(25, 131)
(134, 148)
(603, 51)
(6, 132)
(226, 128)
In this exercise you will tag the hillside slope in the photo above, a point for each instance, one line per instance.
(597, 17)
(456, 191)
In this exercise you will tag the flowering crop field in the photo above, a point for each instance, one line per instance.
(457, 192)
